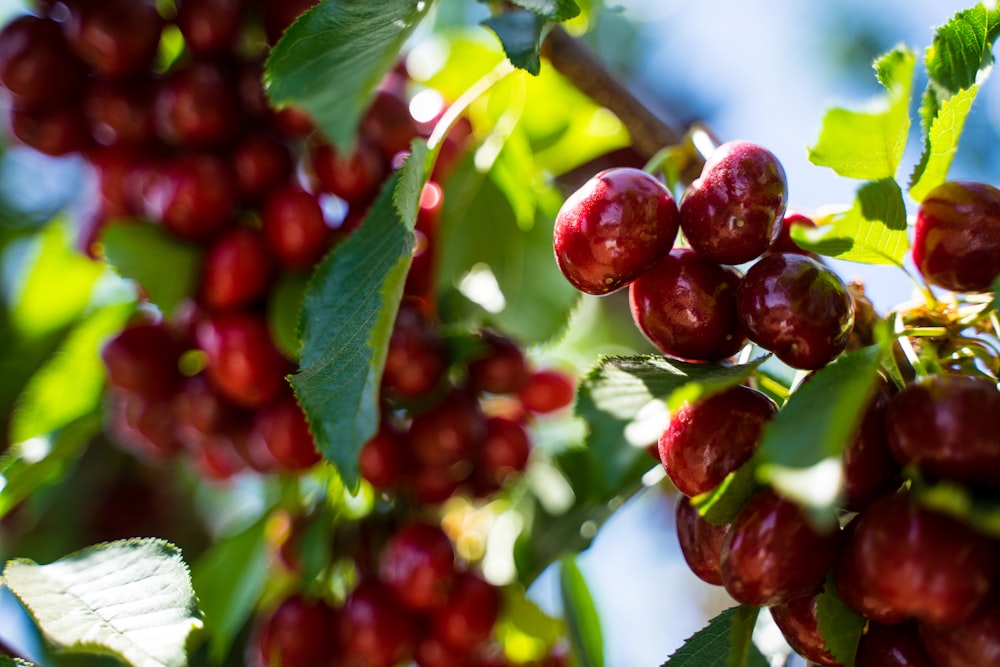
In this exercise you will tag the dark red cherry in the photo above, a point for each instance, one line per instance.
(143, 426)
(799, 624)
(420, 280)
(448, 432)
(797, 308)
(784, 242)
(115, 37)
(613, 229)
(708, 439)
(863, 601)
(295, 227)
(467, 618)
(918, 562)
(956, 242)
(732, 213)
(432, 652)
(142, 359)
(686, 306)
(355, 177)
(432, 484)
(283, 428)
(36, 65)
(297, 634)
(384, 459)
(772, 553)
(892, 646)
(869, 468)
(974, 641)
(210, 27)
(500, 367)
(947, 426)
(387, 123)
(242, 359)
(201, 411)
(700, 541)
(279, 14)
(261, 163)
(193, 195)
(374, 629)
(198, 106)
(547, 390)
(418, 566)
(504, 452)
(56, 132)
(121, 112)
(237, 269)
(416, 360)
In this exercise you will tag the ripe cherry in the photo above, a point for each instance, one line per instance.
(504, 451)
(237, 269)
(242, 359)
(387, 123)
(892, 646)
(974, 641)
(261, 163)
(700, 541)
(416, 360)
(500, 368)
(142, 359)
(198, 106)
(279, 14)
(297, 634)
(115, 37)
(355, 178)
(467, 618)
(686, 306)
(797, 308)
(383, 459)
(449, 431)
(708, 439)
(210, 27)
(547, 390)
(869, 467)
(418, 566)
(613, 229)
(56, 132)
(799, 623)
(956, 244)
(295, 227)
(732, 213)
(36, 65)
(144, 426)
(121, 112)
(283, 429)
(374, 629)
(193, 195)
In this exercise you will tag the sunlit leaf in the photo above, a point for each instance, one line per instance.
(942, 142)
(721, 505)
(956, 500)
(553, 10)
(582, 620)
(524, 630)
(724, 641)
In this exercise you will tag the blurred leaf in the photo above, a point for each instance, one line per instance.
(724, 641)
(131, 598)
(553, 10)
(870, 145)
(167, 268)
(14, 662)
(228, 579)
(347, 317)
(332, 58)
(941, 143)
(626, 402)
(721, 505)
(520, 33)
(840, 627)
(524, 630)
(57, 282)
(584, 624)
(45, 405)
(956, 500)
(283, 309)
(800, 453)
(873, 231)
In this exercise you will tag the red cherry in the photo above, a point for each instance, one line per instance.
(297, 634)
(242, 359)
(237, 269)
(261, 163)
(353, 178)
(36, 65)
(193, 195)
(418, 566)
(383, 459)
(468, 617)
(416, 360)
(504, 452)
(279, 14)
(115, 37)
(283, 428)
(142, 359)
(295, 227)
(56, 132)
(198, 106)
(387, 123)
(374, 629)
(892, 646)
(210, 27)
(500, 368)
(144, 426)
(700, 541)
(546, 391)
(798, 621)
(448, 432)
(974, 641)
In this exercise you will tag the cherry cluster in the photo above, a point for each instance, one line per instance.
(415, 601)
(455, 424)
(690, 300)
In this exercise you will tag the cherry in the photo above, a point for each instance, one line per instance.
(917, 562)
(283, 429)
(198, 106)
(418, 566)
(500, 368)
(975, 641)
(242, 360)
(504, 451)
(448, 432)
(700, 541)
(869, 467)
(432, 652)
(237, 269)
(121, 112)
(686, 306)
(797, 308)
(382, 459)
(421, 277)
(708, 439)
(294, 225)
(467, 618)
(56, 132)
(193, 195)
(261, 163)
(613, 229)
(279, 14)
(772, 553)
(956, 242)
(297, 634)
(216, 457)
(546, 391)
(292, 122)
(36, 65)
(354, 178)
(201, 412)
(732, 212)
(799, 624)
(946, 426)
(210, 27)
(863, 601)
(142, 359)
(115, 37)
(387, 123)
(144, 426)
(892, 646)
(374, 629)
(784, 242)
(416, 360)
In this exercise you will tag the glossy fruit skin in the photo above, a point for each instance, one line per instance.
(283, 429)
(956, 243)
(243, 362)
(799, 623)
(115, 37)
(947, 426)
(700, 541)
(858, 598)
(193, 195)
(918, 562)
(295, 227)
(297, 634)
(892, 646)
(198, 106)
(797, 308)
(869, 467)
(36, 65)
(467, 618)
(142, 359)
(614, 228)
(237, 269)
(975, 641)
(708, 439)
(504, 451)
(686, 306)
(418, 565)
(772, 554)
(374, 629)
(732, 213)
(546, 391)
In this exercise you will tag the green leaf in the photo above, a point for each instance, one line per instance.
(553, 10)
(942, 143)
(721, 505)
(45, 406)
(722, 642)
(347, 316)
(873, 231)
(168, 269)
(524, 630)
(869, 145)
(626, 403)
(955, 500)
(582, 620)
(801, 448)
(840, 627)
(962, 49)
(228, 579)
(283, 309)
(132, 599)
(520, 33)
(14, 662)
(331, 59)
